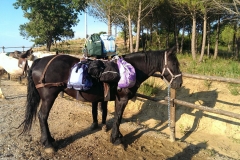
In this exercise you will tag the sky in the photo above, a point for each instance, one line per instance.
(11, 19)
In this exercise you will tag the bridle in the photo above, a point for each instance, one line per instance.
(169, 71)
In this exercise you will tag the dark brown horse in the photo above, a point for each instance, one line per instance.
(45, 83)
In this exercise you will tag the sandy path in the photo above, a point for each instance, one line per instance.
(69, 121)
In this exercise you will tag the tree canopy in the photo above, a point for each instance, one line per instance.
(49, 20)
(192, 25)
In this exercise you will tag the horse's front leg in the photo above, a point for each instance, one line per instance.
(1, 93)
(46, 138)
(116, 136)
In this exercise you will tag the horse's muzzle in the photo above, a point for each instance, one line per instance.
(177, 83)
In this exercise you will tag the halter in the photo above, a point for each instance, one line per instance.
(166, 68)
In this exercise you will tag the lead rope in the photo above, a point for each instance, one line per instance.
(168, 84)
(169, 122)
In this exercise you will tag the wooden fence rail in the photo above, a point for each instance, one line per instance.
(209, 78)
(205, 108)
(175, 101)
(23, 47)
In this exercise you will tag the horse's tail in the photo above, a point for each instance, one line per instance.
(33, 100)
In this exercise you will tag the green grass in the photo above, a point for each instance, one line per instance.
(228, 68)
(207, 84)
(148, 88)
(221, 67)
(234, 89)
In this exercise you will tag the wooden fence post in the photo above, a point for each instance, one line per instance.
(172, 116)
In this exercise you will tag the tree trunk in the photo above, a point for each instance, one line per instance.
(193, 41)
(167, 40)
(237, 48)
(130, 33)
(158, 40)
(138, 26)
(49, 43)
(204, 36)
(48, 46)
(229, 47)
(234, 40)
(125, 34)
(182, 38)
(151, 34)
(217, 39)
(208, 40)
(176, 32)
(109, 22)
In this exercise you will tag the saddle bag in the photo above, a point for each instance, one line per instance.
(93, 46)
(96, 68)
(79, 78)
(110, 73)
(127, 73)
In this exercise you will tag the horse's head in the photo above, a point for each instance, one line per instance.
(27, 53)
(170, 68)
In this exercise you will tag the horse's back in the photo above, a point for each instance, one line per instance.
(57, 68)
(10, 64)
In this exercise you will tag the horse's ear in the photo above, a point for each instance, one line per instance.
(29, 52)
(172, 50)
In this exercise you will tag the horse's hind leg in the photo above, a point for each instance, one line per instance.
(116, 136)
(95, 114)
(47, 103)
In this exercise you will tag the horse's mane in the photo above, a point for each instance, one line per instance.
(150, 58)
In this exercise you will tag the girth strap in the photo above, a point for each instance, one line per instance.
(45, 69)
(57, 84)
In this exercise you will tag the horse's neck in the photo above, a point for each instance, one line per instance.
(144, 73)
(152, 65)
(24, 55)
(147, 69)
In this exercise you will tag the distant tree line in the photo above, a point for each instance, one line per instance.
(198, 26)
(194, 25)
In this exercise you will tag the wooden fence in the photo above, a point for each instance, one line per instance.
(23, 47)
(174, 101)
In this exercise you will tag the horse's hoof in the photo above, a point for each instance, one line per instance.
(104, 128)
(93, 126)
(49, 150)
(52, 140)
(121, 147)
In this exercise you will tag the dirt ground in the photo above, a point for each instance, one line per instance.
(145, 135)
